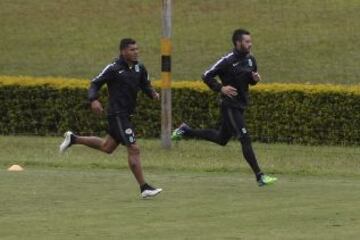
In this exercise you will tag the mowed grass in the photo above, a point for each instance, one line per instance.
(192, 155)
(209, 192)
(295, 41)
(104, 204)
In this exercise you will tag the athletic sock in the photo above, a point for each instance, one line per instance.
(72, 138)
(144, 187)
(258, 176)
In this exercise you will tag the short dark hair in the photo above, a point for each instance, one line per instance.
(125, 42)
(238, 34)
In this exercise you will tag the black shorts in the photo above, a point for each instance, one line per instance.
(121, 129)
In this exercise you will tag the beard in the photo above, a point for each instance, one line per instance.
(244, 49)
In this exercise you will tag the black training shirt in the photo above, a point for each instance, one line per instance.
(123, 83)
(234, 69)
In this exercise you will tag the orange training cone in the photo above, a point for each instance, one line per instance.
(15, 168)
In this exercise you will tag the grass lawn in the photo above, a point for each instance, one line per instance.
(104, 204)
(209, 192)
(198, 156)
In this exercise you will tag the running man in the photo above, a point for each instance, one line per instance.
(124, 78)
(236, 70)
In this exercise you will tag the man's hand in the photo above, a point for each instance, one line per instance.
(256, 76)
(156, 96)
(229, 91)
(96, 107)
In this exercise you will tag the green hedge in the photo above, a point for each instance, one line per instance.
(293, 115)
(305, 117)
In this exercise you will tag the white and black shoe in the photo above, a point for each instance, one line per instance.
(148, 191)
(68, 141)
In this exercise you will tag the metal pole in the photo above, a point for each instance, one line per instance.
(166, 75)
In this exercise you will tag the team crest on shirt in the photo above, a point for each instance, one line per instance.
(137, 68)
(250, 62)
(128, 131)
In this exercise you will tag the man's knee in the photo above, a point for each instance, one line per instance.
(134, 152)
(108, 149)
(109, 145)
(245, 140)
(133, 149)
(223, 141)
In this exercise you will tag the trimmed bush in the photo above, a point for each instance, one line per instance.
(293, 113)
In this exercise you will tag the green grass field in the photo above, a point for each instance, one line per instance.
(295, 41)
(209, 192)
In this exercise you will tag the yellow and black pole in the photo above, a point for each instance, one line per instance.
(166, 75)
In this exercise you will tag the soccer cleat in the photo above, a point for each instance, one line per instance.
(67, 141)
(178, 133)
(148, 191)
(266, 180)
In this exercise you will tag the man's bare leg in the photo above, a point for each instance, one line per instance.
(135, 166)
(135, 163)
(107, 145)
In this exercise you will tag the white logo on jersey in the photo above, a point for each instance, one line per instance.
(121, 71)
(250, 62)
(235, 64)
(137, 68)
(128, 131)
